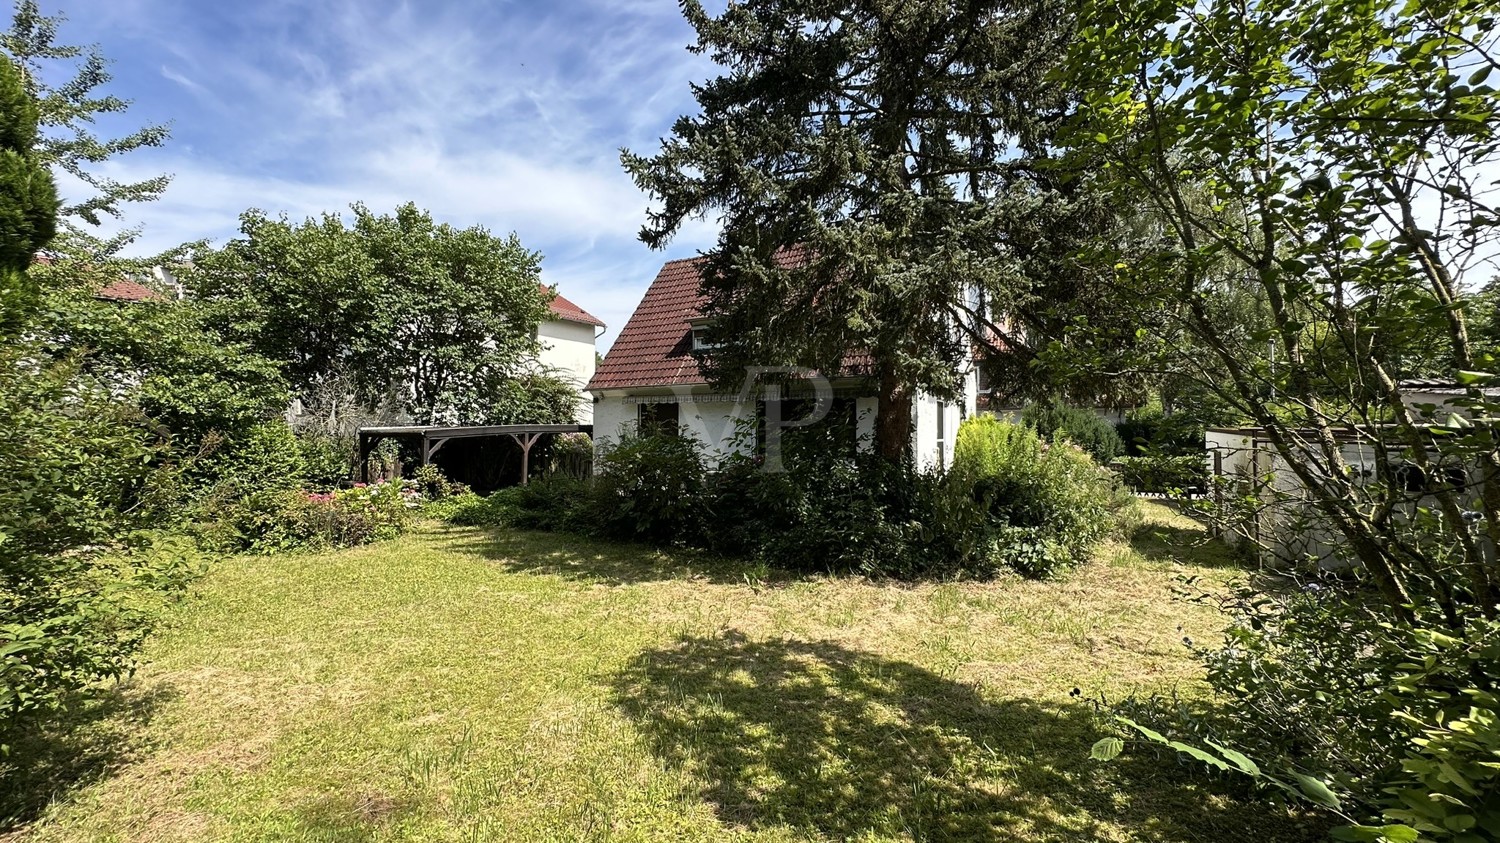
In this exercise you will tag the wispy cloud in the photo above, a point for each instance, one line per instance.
(507, 115)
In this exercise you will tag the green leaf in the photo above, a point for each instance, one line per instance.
(1317, 791)
(1107, 749)
(1376, 833)
(1471, 378)
(1478, 76)
(1193, 751)
(1237, 758)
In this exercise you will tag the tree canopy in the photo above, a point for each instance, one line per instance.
(393, 308)
(68, 109)
(893, 145)
(1320, 166)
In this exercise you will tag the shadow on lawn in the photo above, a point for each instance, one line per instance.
(844, 744)
(600, 561)
(50, 760)
(1185, 545)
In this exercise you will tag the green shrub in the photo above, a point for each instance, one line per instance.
(1448, 787)
(1319, 694)
(328, 461)
(280, 520)
(1149, 431)
(650, 488)
(79, 581)
(1082, 427)
(267, 457)
(1163, 474)
(469, 509)
(1046, 506)
(555, 502)
(433, 485)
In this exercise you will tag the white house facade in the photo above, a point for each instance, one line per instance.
(568, 349)
(650, 377)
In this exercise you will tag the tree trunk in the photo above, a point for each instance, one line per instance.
(893, 418)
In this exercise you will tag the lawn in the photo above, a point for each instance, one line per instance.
(460, 684)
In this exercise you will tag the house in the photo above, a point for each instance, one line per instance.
(1273, 508)
(651, 378)
(568, 350)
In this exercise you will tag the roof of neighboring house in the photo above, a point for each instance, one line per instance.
(567, 311)
(655, 348)
(127, 290)
(1444, 387)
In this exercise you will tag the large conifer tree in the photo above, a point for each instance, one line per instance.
(893, 141)
(28, 197)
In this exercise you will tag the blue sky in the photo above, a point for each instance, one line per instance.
(504, 114)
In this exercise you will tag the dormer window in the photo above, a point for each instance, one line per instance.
(701, 341)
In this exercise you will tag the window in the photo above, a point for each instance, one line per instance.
(658, 419)
(838, 429)
(700, 339)
(942, 427)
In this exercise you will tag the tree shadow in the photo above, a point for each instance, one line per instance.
(834, 742)
(1183, 545)
(602, 561)
(49, 759)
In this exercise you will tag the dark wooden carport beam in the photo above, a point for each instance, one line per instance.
(430, 446)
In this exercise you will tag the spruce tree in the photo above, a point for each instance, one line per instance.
(28, 198)
(895, 144)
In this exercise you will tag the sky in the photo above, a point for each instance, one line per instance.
(508, 114)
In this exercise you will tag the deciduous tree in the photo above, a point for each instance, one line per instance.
(435, 319)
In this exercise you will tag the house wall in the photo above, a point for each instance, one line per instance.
(716, 422)
(701, 414)
(568, 348)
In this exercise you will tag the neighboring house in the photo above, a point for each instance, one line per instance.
(156, 284)
(650, 377)
(568, 349)
(1249, 469)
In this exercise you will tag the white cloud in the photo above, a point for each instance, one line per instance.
(504, 115)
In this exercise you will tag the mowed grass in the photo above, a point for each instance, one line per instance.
(467, 685)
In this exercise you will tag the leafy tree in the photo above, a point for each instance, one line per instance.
(68, 111)
(28, 198)
(1318, 133)
(872, 162)
(1323, 162)
(433, 319)
(161, 355)
(537, 397)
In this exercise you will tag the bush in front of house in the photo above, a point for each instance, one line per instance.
(650, 488)
(1012, 500)
(1046, 505)
(832, 511)
(1083, 427)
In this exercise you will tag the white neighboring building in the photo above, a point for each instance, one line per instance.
(650, 375)
(568, 349)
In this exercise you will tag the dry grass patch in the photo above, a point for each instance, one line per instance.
(466, 685)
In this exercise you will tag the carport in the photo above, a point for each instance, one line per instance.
(429, 439)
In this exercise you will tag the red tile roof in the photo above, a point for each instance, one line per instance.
(655, 348)
(127, 290)
(567, 311)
